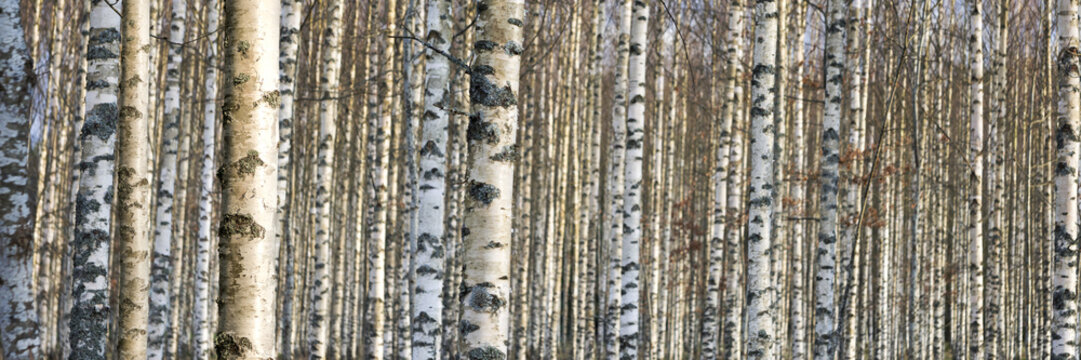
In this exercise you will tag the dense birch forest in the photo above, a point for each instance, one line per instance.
(539, 179)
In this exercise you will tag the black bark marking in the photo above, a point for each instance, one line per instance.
(509, 153)
(245, 166)
(486, 353)
(229, 346)
(484, 193)
(240, 225)
(480, 299)
(480, 130)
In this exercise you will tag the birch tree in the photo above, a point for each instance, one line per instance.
(615, 183)
(328, 116)
(1065, 217)
(975, 202)
(247, 174)
(377, 235)
(428, 263)
(287, 70)
(632, 205)
(825, 344)
(18, 316)
(761, 301)
(161, 266)
(732, 337)
(493, 93)
(201, 303)
(93, 209)
(133, 181)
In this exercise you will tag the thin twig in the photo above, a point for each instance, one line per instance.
(450, 57)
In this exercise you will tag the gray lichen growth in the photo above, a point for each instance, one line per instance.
(480, 299)
(245, 166)
(514, 48)
(240, 225)
(483, 193)
(509, 153)
(482, 91)
(272, 98)
(486, 353)
(243, 47)
(241, 78)
(480, 130)
(100, 121)
(229, 346)
(130, 112)
(132, 82)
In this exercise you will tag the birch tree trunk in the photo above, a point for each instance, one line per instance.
(711, 321)
(632, 204)
(733, 297)
(133, 181)
(287, 70)
(975, 202)
(825, 344)
(201, 304)
(93, 205)
(319, 292)
(378, 235)
(615, 183)
(799, 195)
(18, 315)
(428, 262)
(761, 299)
(493, 93)
(250, 133)
(1064, 281)
(162, 267)
(996, 171)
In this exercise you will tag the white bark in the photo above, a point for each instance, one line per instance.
(19, 338)
(614, 232)
(493, 126)
(1064, 279)
(133, 181)
(378, 234)
(975, 201)
(319, 290)
(711, 316)
(287, 68)
(201, 304)
(761, 297)
(825, 345)
(732, 337)
(431, 233)
(248, 172)
(90, 247)
(161, 268)
(632, 204)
